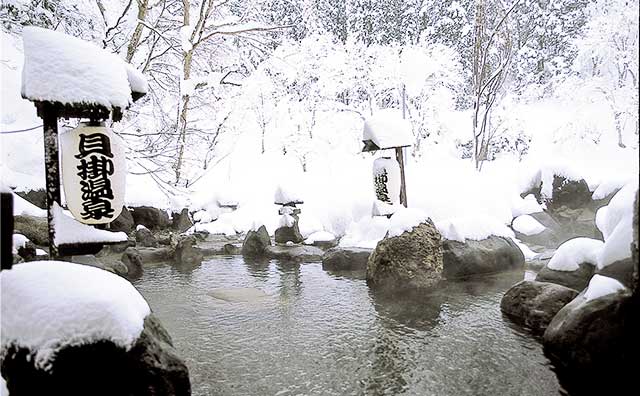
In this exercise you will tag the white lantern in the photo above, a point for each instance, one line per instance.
(93, 173)
(386, 179)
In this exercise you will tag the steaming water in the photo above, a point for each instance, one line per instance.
(284, 329)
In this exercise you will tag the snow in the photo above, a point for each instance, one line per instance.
(387, 129)
(19, 241)
(524, 206)
(140, 227)
(320, 236)
(600, 286)
(404, 220)
(618, 245)
(70, 231)
(574, 252)
(23, 207)
(287, 221)
(475, 228)
(287, 193)
(47, 305)
(137, 80)
(66, 69)
(3, 387)
(527, 225)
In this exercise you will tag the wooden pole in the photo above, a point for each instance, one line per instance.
(6, 230)
(400, 158)
(49, 115)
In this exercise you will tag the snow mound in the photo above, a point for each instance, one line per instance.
(525, 206)
(601, 286)
(319, 236)
(47, 305)
(527, 225)
(476, 228)
(613, 183)
(549, 171)
(137, 80)
(620, 207)
(574, 252)
(66, 69)
(69, 231)
(618, 245)
(19, 241)
(287, 193)
(405, 219)
(388, 129)
(22, 207)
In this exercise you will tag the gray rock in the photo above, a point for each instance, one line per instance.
(28, 251)
(231, 249)
(256, 242)
(186, 254)
(288, 234)
(534, 304)
(412, 260)
(181, 221)
(155, 255)
(145, 238)
(346, 259)
(133, 261)
(577, 280)
(597, 339)
(622, 270)
(150, 367)
(36, 229)
(491, 255)
(87, 259)
(152, 218)
(124, 222)
(572, 194)
(295, 253)
(36, 197)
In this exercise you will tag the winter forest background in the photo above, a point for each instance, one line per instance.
(247, 95)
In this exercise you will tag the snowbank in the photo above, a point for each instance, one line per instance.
(23, 207)
(404, 220)
(320, 236)
(476, 228)
(527, 225)
(615, 221)
(66, 69)
(574, 252)
(47, 305)
(69, 231)
(601, 286)
(387, 129)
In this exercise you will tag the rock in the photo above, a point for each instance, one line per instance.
(295, 253)
(491, 255)
(590, 341)
(181, 221)
(133, 261)
(576, 280)
(145, 238)
(17, 259)
(241, 294)
(573, 194)
(540, 260)
(87, 259)
(548, 238)
(28, 251)
(120, 247)
(288, 234)
(186, 254)
(346, 259)
(114, 265)
(36, 229)
(256, 242)
(412, 260)
(36, 197)
(152, 218)
(124, 222)
(150, 367)
(154, 255)
(534, 304)
(231, 249)
(622, 270)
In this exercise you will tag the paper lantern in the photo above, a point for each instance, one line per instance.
(93, 173)
(386, 180)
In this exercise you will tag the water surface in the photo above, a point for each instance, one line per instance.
(282, 329)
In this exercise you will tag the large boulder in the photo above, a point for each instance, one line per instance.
(154, 255)
(572, 194)
(534, 304)
(621, 270)
(152, 218)
(412, 260)
(594, 344)
(124, 222)
(577, 280)
(487, 256)
(132, 259)
(187, 254)
(36, 229)
(150, 367)
(145, 238)
(180, 221)
(346, 259)
(256, 242)
(288, 233)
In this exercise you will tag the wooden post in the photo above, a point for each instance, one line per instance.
(403, 185)
(6, 230)
(49, 115)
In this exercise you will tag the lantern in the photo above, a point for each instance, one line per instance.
(386, 180)
(93, 173)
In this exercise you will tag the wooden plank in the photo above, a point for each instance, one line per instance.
(403, 185)
(48, 113)
(6, 230)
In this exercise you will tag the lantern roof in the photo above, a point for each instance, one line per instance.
(386, 129)
(62, 69)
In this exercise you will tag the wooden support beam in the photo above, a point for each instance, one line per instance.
(6, 230)
(403, 184)
(49, 114)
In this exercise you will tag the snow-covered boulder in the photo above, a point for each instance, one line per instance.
(595, 335)
(71, 329)
(322, 239)
(534, 304)
(527, 225)
(150, 217)
(36, 229)
(490, 255)
(295, 253)
(346, 259)
(407, 260)
(288, 231)
(573, 263)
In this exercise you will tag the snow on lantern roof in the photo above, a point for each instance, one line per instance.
(65, 69)
(48, 305)
(69, 231)
(386, 129)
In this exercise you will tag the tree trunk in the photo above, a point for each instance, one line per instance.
(184, 106)
(137, 33)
